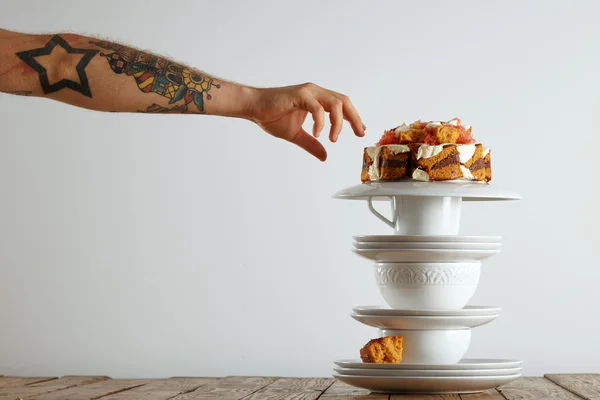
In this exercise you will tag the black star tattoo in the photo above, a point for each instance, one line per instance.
(83, 86)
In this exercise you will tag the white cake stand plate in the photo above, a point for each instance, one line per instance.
(467, 191)
(424, 208)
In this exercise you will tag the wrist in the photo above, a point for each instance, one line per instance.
(247, 99)
(233, 100)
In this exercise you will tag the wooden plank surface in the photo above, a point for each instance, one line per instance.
(228, 388)
(47, 386)
(68, 381)
(216, 393)
(161, 389)
(293, 389)
(283, 394)
(7, 381)
(339, 387)
(584, 385)
(491, 394)
(92, 391)
(354, 397)
(302, 384)
(342, 391)
(553, 386)
(249, 382)
(535, 388)
(424, 397)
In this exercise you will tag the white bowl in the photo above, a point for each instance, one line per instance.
(432, 347)
(427, 285)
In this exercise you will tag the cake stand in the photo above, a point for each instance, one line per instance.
(424, 208)
(425, 271)
(468, 191)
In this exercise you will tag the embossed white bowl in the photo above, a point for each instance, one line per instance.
(432, 347)
(428, 285)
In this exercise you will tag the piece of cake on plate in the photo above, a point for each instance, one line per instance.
(382, 350)
(427, 151)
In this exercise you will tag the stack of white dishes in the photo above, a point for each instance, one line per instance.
(430, 337)
(466, 376)
(427, 273)
(396, 248)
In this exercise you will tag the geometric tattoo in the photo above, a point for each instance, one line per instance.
(155, 74)
(82, 86)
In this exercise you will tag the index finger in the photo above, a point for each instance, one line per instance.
(350, 114)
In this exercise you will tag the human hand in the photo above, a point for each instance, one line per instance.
(282, 111)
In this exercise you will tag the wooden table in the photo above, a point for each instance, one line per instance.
(570, 386)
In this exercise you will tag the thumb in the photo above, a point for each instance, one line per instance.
(310, 144)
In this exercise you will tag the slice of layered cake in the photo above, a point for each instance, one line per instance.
(427, 151)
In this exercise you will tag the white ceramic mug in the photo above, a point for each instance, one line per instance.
(422, 215)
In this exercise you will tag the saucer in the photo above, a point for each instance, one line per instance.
(426, 384)
(467, 311)
(427, 372)
(424, 323)
(465, 363)
(428, 245)
(425, 255)
(447, 238)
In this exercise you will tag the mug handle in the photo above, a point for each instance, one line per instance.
(378, 214)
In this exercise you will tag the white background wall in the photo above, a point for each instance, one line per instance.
(152, 246)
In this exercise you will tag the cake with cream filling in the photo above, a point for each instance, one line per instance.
(427, 151)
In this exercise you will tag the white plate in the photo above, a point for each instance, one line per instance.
(427, 372)
(465, 363)
(423, 323)
(426, 385)
(469, 191)
(428, 245)
(450, 238)
(467, 311)
(412, 255)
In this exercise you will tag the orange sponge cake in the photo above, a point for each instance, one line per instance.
(386, 162)
(427, 151)
(387, 349)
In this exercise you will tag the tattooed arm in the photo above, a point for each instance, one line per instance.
(106, 76)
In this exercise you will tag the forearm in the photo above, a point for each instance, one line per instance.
(107, 76)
